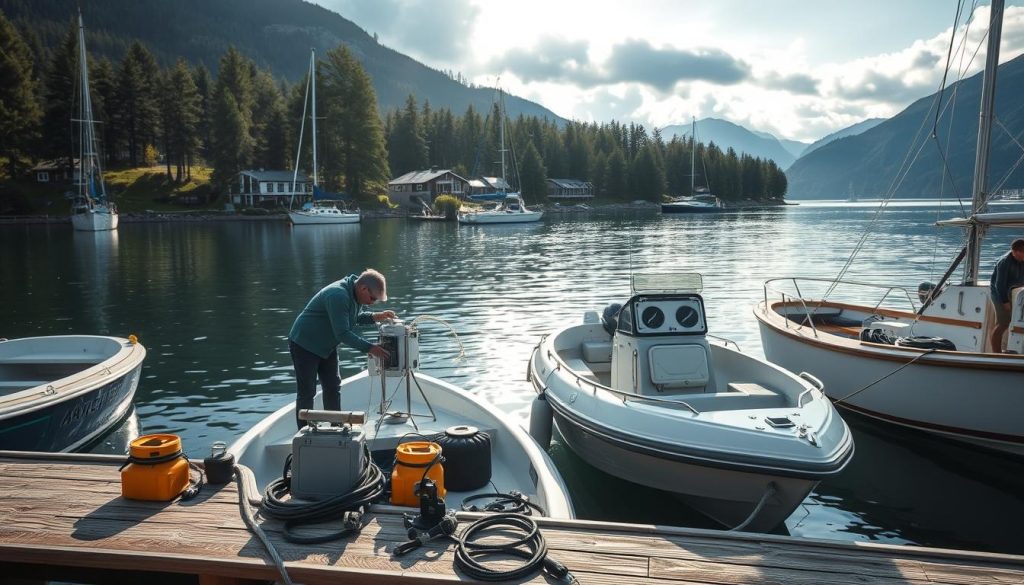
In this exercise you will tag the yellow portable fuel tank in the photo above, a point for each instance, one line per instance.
(157, 470)
(412, 459)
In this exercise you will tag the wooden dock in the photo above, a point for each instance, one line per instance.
(62, 517)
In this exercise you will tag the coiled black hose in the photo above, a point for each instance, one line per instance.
(349, 507)
(531, 547)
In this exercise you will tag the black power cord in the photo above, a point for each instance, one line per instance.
(349, 507)
(514, 502)
(531, 547)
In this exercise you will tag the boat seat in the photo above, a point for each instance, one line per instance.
(597, 351)
(739, 395)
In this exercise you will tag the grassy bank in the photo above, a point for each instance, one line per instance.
(135, 190)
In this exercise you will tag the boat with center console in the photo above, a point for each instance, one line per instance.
(645, 394)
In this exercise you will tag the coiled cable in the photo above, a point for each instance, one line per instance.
(349, 507)
(531, 547)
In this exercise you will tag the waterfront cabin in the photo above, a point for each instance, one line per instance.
(570, 190)
(488, 189)
(417, 188)
(55, 170)
(269, 188)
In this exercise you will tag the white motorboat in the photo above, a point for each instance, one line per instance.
(317, 211)
(921, 360)
(511, 210)
(61, 392)
(320, 213)
(91, 208)
(644, 394)
(433, 410)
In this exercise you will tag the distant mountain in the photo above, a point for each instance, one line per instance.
(854, 130)
(276, 34)
(870, 162)
(794, 147)
(726, 134)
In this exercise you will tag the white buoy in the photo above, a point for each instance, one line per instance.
(540, 421)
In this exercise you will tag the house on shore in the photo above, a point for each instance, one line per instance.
(570, 190)
(416, 188)
(269, 188)
(56, 170)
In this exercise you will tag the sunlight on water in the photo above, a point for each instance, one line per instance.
(213, 303)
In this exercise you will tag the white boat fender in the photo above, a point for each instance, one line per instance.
(540, 421)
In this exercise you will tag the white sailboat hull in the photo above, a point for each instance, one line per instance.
(94, 221)
(971, 397)
(488, 217)
(314, 218)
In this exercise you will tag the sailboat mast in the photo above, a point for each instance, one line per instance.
(89, 164)
(501, 134)
(312, 77)
(693, 152)
(988, 99)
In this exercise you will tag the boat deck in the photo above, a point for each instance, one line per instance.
(62, 517)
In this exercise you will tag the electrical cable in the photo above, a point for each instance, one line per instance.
(349, 507)
(531, 547)
(513, 502)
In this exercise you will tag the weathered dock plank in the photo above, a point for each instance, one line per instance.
(67, 511)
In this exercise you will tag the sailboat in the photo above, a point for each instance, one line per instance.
(317, 211)
(510, 208)
(91, 208)
(927, 362)
(699, 201)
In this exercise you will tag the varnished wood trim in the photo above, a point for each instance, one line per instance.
(1016, 362)
(882, 312)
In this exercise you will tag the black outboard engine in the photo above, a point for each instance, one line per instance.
(925, 290)
(610, 317)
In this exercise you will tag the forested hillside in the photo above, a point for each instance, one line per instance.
(241, 117)
(275, 34)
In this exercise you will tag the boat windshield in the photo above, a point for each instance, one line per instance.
(667, 282)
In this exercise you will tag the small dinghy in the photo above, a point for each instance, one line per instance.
(484, 451)
(61, 392)
(642, 393)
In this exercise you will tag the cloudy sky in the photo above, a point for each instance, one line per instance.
(795, 68)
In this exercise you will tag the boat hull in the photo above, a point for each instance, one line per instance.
(713, 448)
(517, 462)
(94, 221)
(302, 218)
(485, 217)
(726, 496)
(973, 398)
(68, 413)
(687, 208)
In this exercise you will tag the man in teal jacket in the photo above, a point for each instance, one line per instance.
(1008, 274)
(326, 321)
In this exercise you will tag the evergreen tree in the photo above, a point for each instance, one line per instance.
(470, 132)
(407, 144)
(617, 180)
(20, 113)
(60, 99)
(181, 112)
(270, 144)
(232, 144)
(647, 174)
(103, 80)
(533, 175)
(352, 127)
(204, 90)
(138, 109)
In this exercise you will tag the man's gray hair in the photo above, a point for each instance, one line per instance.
(375, 282)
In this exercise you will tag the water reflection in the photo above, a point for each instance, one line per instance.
(213, 303)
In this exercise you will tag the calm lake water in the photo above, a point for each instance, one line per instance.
(213, 302)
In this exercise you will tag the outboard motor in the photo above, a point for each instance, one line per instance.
(925, 290)
(610, 317)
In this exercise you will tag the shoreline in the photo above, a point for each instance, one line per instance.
(218, 216)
